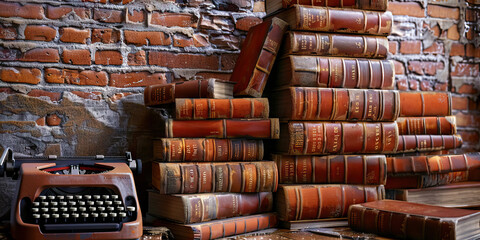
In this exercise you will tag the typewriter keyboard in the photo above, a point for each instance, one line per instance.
(102, 210)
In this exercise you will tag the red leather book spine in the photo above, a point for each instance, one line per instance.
(379, 5)
(190, 108)
(412, 143)
(422, 104)
(424, 181)
(427, 164)
(427, 125)
(167, 93)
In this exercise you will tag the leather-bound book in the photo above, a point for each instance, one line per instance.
(420, 104)
(207, 149)
(324, 19)
(313, 138)
(220, 228)
(223, 128)
(334, 72)
(234, 177)
(308, 103)
(338, 45)
(338, 169)
(159, 94)
(414, 143)
(427, 125)
(257, 56)
(378, 5)
(302, 202)
(406, 220)
(195, 208)
(191, 108)
(425, 180)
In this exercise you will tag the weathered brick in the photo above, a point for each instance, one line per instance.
(413, 9)
(135, 16)
(86, 77)
(228, 61)
(137, 59)
(399, 68)
(410, 47)
(470, 15)
(53, 75)
(97, 96)
(96, 1)
(8, 33)
(118, 96)
(41, 55)
(223, 41)
(466, 89)
(469, 136)
(180, 40)
(21, 75)
(137, 79)
(144, 38)
(436, 48)
(40, 33)
(9, 54)
(413, 84)
(402, 84)
(53, 96)
(246, 23)
(459, 103)
(393, 47)
(183, 60)
(74, 35)
(174, 19)
(469, 32)
(466, 120)
(108, 57)
(83, 13)
(200, 40)
(107, 15)
(470, 50)
(41, 121)
(58, 12)
(428, 68)
(258, 6)
(438, 11)
(105, 35)
(30, 11)
(457, 49)
(426, 85)
(53, 120)
(453, 33)
(472, 105)
(465, 70)
(76, 57)
(439, 86)
(217, 23)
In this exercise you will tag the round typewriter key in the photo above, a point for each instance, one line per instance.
(44, 209)
(87, 197)
(78, 197)
(65, 215)
(130, 208)
(96, 197)
(85, 215)
(36, 216)
(122, 214)
(72, 203)
(63, 209)
(103, 215)
(55, 215)
(99, 202)
(36, 204)
(112, 214)
(60, 197)
(51, 197)
(92, 209)
(114, 197)
(35, 210)
(69, 197)
(46, 215)
(106, 197)
(91, 203)
(42, 197)
(44, 204)
(110, 209)
(94, 215)
(81, 203)
(101, 209)
(75, 215)
(63, 203)
(117, 202)
(120, 208)
(82, 209)
(108, 203)
(54, 209)
(53, 204)
(73, 209)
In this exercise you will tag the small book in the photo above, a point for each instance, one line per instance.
(378, 5)
(406, 220)
(422, 104)
(425, 180)
(209, 108)
(423, 143)
(427, 125)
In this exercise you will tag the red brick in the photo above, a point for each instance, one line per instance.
(217, 23)
(200, 40)
(470, 50)
(246, 23)
(413, 84)
(77, 57)
(183, 60)
(218, 75)
(40, 33)
(40, 121)
(426, 85)
(470, 15)
(399, 68)
(453, 33)
(53, 120)
(393, 47)
(29, 11)
(459, 103)
(21, 75)
(477, 52)
(225, 41)
(9, 54)
(41, 55)
(228, 61)
(410, 47)
(180, 40)
(472, 105)
(137, 59)
(8, 33)
(135, 16)
(107, 15)
(95, 1)
(437, 11)
(144, 38)
(441, 86)
(436, 30)
(457, 49)
(82, 13)
(465, 70)
(466, 89)
(402, 84)
(406, 8)
(137, 79)
(466, 120)
(174, 19)
(53, 75)
(436, 48)
(108, 58)
(105, 36)
(469, 136)
(74, 35)
(97, 96)
(118, 96)
(54, 96)
(428, 68)
(58, 12)
(86, 77)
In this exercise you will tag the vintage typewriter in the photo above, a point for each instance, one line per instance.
(74, 197)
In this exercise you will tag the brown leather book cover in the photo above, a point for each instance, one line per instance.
(257, 56)
(209, 108)
(223, 128)
(159, 94)
(411, 165)
(406, 220)
(308, 103)
(378, 5)
(334, 72)
(338, 45)
(324, 19)
(426, 180)
(427, 125)
(421, 104)
(422, 143)
(207, 149)
(195, 208)
(302, 202)
(339, 169)
(237, 177)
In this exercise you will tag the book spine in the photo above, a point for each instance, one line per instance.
(413, 143)
(426, 180)
(223, 128)
(190, 108)
(312, 71)
(310, 138)
(427, 164)
(159, 94)
(379, 5)
(207, 150)
(237, 177)
(423, 104)
(399, 225)
(427, 125)
(167, 93)
(343, 20)
(302, 202)
(340, 169)
(324, 44)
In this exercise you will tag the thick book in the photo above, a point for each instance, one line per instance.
(169, 178)
(334, 72)
(459, 195)
(302, 202)
(419, 143)
(378, 5)
(406, 220)
(223, 128)
(159, 94)
(195, 208)
(207, 149)
(338, 169)
(427, 125)
(421, 104)
(337, 45)
(220, 228)
(324, 19)
(257, 56)
(335, 104)
(209, 108)
(425, 180)
(313, 138)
